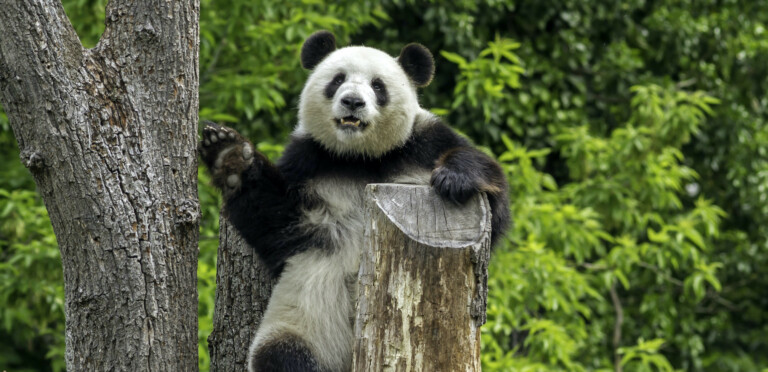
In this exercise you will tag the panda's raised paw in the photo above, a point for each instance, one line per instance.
(226, 154)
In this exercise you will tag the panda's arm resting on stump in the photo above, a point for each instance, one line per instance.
(460, 171)
(463, 172)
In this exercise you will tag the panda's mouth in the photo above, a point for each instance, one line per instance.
(351, 123)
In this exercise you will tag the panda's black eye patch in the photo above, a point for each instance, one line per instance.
(380, 89)
(334, 84)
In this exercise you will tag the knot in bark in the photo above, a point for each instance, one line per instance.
(188, 212)
(31, 159)
(146, 32)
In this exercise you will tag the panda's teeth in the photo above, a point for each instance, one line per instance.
(343, 121)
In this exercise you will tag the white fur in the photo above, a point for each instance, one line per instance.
(313, 298)
(388, 126)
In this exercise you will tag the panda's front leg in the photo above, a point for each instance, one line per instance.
(256, 198)
(463, 172)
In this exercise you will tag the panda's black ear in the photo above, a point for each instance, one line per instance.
(316, 47)
(418, 64)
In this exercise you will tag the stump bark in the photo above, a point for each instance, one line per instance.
(423, 281)
(243, 287)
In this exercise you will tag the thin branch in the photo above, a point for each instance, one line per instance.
(685, 83)
(616, 327)
(722, 301)
(212, 65)
(664, 275)
(710, 294)
(591, 266)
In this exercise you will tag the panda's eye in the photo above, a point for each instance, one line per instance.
(339, 79)
(377, 85)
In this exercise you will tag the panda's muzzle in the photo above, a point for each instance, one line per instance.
(351, 122)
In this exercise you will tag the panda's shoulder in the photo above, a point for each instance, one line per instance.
(430, 138)
(430, 128)
(301, 159)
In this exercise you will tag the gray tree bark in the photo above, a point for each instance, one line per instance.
(243, 287)
(423, 281)
(109, 135)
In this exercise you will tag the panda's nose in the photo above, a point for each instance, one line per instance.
(352, 103)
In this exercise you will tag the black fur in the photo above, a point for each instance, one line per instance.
(418, 64)
(285, 355)
(316, 47)
(266, 213)
(382, 97)
(333, 85)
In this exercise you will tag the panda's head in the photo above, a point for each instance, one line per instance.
(359, 100)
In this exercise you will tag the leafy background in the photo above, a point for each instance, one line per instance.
(633, 134)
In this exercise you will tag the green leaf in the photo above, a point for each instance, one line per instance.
(455, 58)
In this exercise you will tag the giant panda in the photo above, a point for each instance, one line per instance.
(359, 122)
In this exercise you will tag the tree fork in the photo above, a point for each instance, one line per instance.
(110, 135)
(423, 281)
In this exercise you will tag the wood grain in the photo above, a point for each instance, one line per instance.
(423, 280)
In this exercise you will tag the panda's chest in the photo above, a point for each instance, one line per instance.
(337, 216)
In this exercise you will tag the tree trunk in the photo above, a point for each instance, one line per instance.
(109, 135)
(423, 281)
(243, 286)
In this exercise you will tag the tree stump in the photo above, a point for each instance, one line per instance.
(243, 287)
(423, 281)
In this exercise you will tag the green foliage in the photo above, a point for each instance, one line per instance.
(620, 217)
(483, 81)
(87, 16)
(206, 263)
(644, 356)
(633, 134)
(32, 314)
